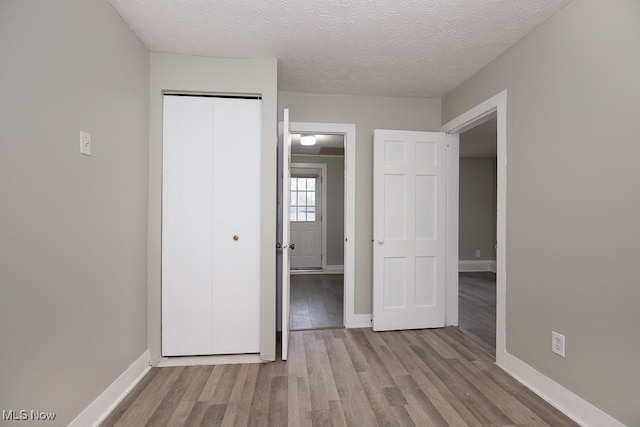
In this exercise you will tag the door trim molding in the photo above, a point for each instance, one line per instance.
(349, 131)
(473, 117)
(323, 182)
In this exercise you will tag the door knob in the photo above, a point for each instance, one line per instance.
(292, 246)
(236, 237)
(278, 245)
(381, 240)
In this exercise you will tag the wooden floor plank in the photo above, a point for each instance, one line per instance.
(172, 398)
(259, 415)
(148, 401)
(418, 399)
(235, 397)
(477, 307)
(481, 407)
(212, 382)
(379, 402)
(245, 398)
(133, 395)
(450, 407)
(278, 410)
(197, 413)
(214, 415)
(336, 414)
(222, 392)
(347, 377)
(315, 352)
(356, 406)
(316, 301)
(375, 365)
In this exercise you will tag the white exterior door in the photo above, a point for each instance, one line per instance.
(211, 226)
(305, 215)
(283, 227)
(409, 229)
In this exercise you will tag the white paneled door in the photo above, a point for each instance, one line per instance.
(409, 229)
(210, 225)
(305, 215)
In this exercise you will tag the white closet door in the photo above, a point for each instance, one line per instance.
(210, 226)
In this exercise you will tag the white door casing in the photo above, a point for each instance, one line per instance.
(307, 232)
(284, 238)
(210, 236)
(409, 248)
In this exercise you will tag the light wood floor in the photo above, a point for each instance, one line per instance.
(477, 307)
(344, 377)
(316, 301)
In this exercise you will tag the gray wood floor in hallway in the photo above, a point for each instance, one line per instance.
(477, 307)
(344, 377)
(316, 301)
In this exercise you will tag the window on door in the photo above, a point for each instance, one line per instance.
(303, 199)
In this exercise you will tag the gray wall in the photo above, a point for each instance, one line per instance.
(477, 209)
(367, 113)
(73, 286)
(335, 204)
(572, 197)
(215, 75)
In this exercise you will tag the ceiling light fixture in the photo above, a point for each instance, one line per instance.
(308, 140)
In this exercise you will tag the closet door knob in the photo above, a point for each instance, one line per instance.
(292, 246)
(236, 237)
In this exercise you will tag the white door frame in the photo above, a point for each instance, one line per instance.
(476, 115)
(349, 131)
(322, 167)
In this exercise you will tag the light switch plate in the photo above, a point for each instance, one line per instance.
(85, 143)
(557, 343)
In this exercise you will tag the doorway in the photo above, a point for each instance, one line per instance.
(348, 131)
(480, 113)
(477, 233)
(316, 216)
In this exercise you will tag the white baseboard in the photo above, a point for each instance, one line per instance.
(358, 321)
(474, 265)
(572, 405)
(330, 269)
(335, 269)
(100, 408)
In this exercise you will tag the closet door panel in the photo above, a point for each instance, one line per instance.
(187, 229)
(236, 225)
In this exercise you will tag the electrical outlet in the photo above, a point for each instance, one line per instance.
(85, 143)
(477, 253)
(557, 343)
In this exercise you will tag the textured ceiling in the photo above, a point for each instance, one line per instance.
(394, 47)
